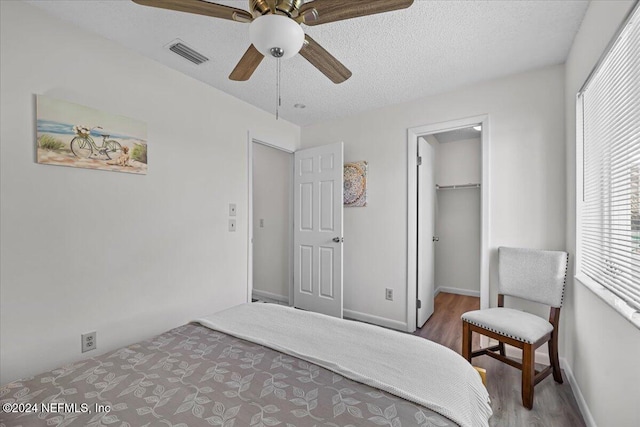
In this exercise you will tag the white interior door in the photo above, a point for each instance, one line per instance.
(317, 253)
(426, 228)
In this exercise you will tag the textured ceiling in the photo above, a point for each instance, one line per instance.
(431, 47)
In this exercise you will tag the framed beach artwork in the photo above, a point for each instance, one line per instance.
(73, 135)
(355, 184)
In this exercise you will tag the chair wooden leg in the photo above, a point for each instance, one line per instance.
(553, 358)
(528, 375)
(466, 340)
(501, 348)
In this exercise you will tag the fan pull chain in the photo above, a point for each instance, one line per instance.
(278, 98)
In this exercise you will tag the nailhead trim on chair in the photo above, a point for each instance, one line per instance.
(497, 331)
(564, 285)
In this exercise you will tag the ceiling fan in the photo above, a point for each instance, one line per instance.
(275, 28)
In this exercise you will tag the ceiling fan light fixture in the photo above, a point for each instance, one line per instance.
(276, 36)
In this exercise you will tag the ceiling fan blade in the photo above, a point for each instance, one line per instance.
(324, 61)
(200, 7)
(337, 10)
(247, 65)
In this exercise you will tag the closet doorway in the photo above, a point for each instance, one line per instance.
(271, 207)
(455, 212)
(447, 214)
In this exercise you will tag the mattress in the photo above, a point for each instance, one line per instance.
(194, 375)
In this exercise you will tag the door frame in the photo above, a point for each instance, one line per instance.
(412, 207)
(251, 139)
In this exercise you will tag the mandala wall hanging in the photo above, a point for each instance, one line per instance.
(355, 184)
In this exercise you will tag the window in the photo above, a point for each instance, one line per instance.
(609, 179)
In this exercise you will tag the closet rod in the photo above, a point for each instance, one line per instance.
(455, 187)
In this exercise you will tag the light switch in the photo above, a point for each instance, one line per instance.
(261, 223)
(232, 209)
(232, 225)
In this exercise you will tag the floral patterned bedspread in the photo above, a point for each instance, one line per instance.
(194, 376)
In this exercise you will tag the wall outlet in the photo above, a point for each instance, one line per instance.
(232, 209)
(261, 223)
(89, 341)
(232, 225)
(388, 294)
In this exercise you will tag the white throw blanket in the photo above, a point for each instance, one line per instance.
(407, 366)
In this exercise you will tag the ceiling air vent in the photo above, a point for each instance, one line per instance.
(187, 53)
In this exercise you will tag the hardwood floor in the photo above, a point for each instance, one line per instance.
(554, 404)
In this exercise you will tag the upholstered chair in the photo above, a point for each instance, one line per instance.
(533, 275)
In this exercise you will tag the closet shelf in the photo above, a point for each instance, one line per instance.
(455, 187)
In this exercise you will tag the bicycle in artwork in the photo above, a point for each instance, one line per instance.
(83, 145)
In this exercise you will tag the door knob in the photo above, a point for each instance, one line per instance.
(436, 239)
(338, 239)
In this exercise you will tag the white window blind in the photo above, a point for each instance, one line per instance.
(609, 117)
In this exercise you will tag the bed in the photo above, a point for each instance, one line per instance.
(258, 365)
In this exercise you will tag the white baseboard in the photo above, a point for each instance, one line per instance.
(375, 320)
(458, 291)
(577, 393)
(258, 294)
(349, 314)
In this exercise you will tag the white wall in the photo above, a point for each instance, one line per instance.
(457, 253)
(527, 179)
(125, 255)
(460, 162)
(599, 345)
(272, 170)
